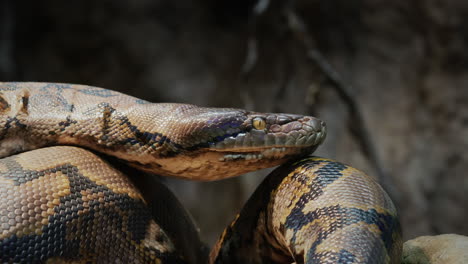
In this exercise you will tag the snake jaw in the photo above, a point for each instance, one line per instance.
(268, 154)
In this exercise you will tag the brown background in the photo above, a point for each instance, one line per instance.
(406, 64)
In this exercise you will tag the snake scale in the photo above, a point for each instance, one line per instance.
(76, 183)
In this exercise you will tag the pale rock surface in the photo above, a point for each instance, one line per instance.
(441, 249)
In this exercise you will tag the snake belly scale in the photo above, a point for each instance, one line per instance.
(76, 183)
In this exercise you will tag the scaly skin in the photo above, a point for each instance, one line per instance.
(64, 204)
(177, 140)
(314, 210)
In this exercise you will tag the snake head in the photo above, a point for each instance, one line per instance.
(268, 136)
(215, 143)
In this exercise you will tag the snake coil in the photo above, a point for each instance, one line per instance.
(75, 188)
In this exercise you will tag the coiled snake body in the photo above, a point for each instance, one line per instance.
(68, 198)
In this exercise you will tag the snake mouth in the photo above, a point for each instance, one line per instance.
(258, 145)
(271, 153)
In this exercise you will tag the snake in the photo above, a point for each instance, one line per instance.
(80, 182)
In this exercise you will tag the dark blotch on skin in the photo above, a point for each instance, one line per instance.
(25, 102)
(4, 105)
(343, 256)
(342, 216)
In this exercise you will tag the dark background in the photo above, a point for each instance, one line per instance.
(398, 111)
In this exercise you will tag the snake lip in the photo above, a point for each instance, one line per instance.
(270, 154)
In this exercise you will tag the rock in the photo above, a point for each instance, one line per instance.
(441, 249)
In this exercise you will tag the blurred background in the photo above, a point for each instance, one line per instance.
(389, 77)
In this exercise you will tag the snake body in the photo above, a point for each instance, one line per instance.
(66, 196)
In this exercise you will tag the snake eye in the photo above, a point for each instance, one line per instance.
(259, 123)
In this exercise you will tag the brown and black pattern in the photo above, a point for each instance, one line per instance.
(75, 207)
(168, 139)
(65, 204)
(314, 211)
